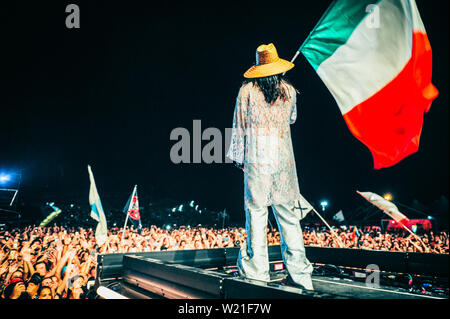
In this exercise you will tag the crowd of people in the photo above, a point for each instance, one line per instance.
(377, 240)
(47, 263)
(60, 263)
(155, 239)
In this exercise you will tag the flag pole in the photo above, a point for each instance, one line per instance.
(332, 232)
(223, 217)
(128, 212)
(314, 29)
(107, 244)
(417, 237)
(295, 56)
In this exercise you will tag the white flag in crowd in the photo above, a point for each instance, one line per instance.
(97, 213)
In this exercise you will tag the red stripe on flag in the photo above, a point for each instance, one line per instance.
(390, 122)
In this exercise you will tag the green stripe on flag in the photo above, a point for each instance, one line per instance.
(333, 29)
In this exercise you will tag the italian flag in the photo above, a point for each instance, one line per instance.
(376, 60)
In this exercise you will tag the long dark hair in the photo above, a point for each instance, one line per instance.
(271, 87)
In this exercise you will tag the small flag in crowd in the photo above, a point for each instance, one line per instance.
(132, 210)
(355, 234)
(97, 213)
(51, 216)
(386, 206)
(339, 217)
(390, 209)
(376, 61)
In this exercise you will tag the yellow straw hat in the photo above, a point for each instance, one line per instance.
(268, 63)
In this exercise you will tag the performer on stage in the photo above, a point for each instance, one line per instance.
(261, 146)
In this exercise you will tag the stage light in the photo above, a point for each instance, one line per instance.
(414, 228)
(324, 204)
(4, 178)
(180, 209)
(196, 206)
(388, 197)
(168, 227)
(430, 217)
(191, 204)
(173, 209)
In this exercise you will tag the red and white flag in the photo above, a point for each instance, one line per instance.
(132, 210)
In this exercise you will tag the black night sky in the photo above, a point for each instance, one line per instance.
(109, 94)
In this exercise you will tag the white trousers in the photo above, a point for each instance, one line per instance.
(253, 261)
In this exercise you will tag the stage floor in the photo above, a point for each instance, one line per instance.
(212, 274)
(326, 287)
(342, 287)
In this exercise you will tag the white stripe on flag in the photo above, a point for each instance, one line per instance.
(372, 56)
